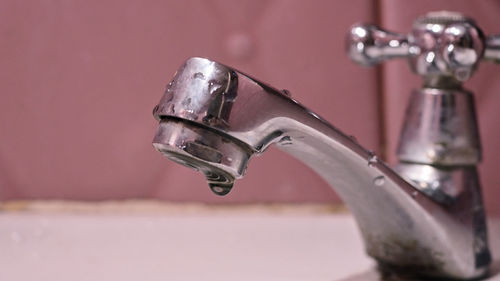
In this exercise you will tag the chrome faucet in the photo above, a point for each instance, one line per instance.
(426, 216)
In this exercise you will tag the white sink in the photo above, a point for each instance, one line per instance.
(53, 241)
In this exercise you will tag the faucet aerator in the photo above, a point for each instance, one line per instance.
(219, 158)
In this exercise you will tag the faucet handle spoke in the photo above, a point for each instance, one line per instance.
(492, 51)
(369, 44)
(443, 47)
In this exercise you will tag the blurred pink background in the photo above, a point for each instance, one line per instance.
(79, 80)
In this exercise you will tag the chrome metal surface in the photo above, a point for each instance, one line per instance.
(227, 114)
(440, 128)
(439, 147)
(492, 52)
(443, 47)
(218, 157)
(369, 45)
(444, 185)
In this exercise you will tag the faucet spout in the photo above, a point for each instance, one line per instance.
(214, 119)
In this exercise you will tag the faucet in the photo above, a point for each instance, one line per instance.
(426, 215)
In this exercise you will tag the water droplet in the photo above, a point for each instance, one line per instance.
(199, 75)
(373, 160)
(286, 140)
(220, 190)
(171, 108)
(169, 85)
(214, 86)
(219, 183)
(229, 159)
(378, 181)
(286, 92)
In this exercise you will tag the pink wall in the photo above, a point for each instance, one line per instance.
(79, 80)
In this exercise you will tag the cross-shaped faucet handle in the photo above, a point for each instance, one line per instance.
(443, 47)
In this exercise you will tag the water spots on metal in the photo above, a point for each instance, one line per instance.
(373, 160)
(378, 181)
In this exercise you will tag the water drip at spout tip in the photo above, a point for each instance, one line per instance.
(220, 189)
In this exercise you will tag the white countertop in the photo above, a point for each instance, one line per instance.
(179, 243)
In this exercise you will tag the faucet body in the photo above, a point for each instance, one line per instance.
(214, 118)
(426, 216)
